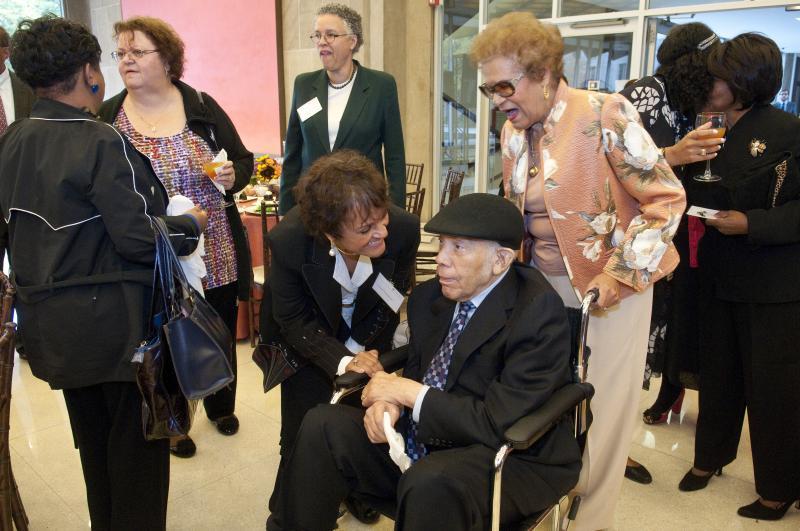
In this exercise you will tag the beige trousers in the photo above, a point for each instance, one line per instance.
(618, 341)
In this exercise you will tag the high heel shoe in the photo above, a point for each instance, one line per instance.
(692, 482)
(759, 511)
(651, 416)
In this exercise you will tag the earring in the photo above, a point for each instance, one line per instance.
(332, 251)
(546, 92)
(95, 88)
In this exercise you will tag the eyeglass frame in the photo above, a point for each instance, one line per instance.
(136, 54)
(489, 92)
(317, 37)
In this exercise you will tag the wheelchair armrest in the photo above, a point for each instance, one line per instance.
(530, 428)
(392, 361)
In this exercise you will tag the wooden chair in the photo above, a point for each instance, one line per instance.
(260, 273)
(414, 176)
(452, 187)
(11, 508)
(414, 201)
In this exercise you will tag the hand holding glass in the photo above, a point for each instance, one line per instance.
(717, 120)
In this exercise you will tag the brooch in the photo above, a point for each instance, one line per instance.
(757, 147)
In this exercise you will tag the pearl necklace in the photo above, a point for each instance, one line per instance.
(343, 85)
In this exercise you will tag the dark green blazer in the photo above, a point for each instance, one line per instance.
(371, 121)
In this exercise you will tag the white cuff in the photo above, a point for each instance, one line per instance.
(418, 402)
(343, 364)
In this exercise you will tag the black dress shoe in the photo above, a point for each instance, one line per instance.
(639, 474)
(759, 511)
(183, 448)
(227, 425)
(361, 511)
(692, 482)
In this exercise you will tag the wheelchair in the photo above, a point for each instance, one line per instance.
(572, 399)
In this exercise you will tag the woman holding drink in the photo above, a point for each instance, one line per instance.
(180, 129)
(749, 254)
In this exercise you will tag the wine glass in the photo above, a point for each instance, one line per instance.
(717, 120)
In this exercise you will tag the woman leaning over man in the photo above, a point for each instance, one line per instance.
(601, 206)
(179, 129)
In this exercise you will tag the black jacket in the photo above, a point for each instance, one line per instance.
(78, 200)
(209, 121)
(23, 97)
(371, 122)
(761, 266)
(304, 303)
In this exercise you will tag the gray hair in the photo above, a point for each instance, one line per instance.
(350, 17)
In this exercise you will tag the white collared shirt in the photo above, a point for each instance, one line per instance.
(7, 94)
(337, 101)
(350, 285)
(476, 301)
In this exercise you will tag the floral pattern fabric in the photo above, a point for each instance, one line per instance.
(613, 200)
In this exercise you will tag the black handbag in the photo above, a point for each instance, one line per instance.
(199, 341)
(277, 362)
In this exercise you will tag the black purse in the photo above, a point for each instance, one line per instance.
(199, 341)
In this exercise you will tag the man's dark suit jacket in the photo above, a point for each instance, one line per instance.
(371, 121)
(23, 97)
(302, 307)
(511, 357)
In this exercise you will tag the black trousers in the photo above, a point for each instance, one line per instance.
(223, 299)
(449, 489)
(751, 361)
(127, 478)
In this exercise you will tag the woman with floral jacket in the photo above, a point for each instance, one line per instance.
(601, 207)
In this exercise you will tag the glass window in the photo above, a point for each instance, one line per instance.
(540, 8)
(459, 82)
(653, 4)
(597, 61)
(12, 11)
(571, 8)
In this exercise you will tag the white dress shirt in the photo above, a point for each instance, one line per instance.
(350, 285)
(7, 94)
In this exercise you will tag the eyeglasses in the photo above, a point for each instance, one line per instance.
(328, 36)
(505, 88)
(119, 55)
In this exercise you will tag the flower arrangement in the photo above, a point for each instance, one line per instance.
(266, 169)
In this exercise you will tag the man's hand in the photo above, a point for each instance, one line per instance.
(729, 222)
(373, 420)
(390, 388)
(365, 362)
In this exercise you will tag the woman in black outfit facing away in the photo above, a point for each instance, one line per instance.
(749, 257)
(79, 201)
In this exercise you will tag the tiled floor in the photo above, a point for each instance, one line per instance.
(226, 485)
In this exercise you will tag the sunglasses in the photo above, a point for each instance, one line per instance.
(504, 88)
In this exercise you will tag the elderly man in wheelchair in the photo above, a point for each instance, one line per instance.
(489, 348)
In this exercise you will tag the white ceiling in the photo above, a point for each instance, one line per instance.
(775, 22)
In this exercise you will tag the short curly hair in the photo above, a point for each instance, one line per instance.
(683, 65)
(169, 44)
(752, 67)
(335, 188)
(48, 52)
(350, 17)
(537, 47)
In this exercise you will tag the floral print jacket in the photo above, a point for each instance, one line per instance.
(613, 200)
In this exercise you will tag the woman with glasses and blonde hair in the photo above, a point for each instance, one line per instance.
(344, 105)
(180, 129)
(601, 206)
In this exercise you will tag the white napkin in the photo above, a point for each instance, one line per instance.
(397, 446)
(193, 265)
(222, 156)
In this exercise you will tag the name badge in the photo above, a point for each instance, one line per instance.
(309, 109)
(388, 292)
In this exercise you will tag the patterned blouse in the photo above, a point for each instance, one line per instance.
(178, 162)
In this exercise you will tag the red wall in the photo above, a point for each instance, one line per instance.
(231, 53)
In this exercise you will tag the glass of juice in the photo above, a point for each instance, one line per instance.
(717, 120)
(210, 169)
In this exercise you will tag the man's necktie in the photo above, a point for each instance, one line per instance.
(3, 122)
(436, 375)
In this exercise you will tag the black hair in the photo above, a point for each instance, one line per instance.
(682, 59)
(48, 52)
(752, 67)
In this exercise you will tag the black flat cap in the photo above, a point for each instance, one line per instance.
(480, 216)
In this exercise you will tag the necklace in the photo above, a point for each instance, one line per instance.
(153, 126)
(343, 85)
